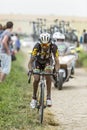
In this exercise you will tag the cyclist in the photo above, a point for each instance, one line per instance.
(41, 59)
(59, 40)
(63, 47)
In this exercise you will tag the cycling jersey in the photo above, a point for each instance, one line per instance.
(43, 56)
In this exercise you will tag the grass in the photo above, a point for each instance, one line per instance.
(15, 96)
(82, 62)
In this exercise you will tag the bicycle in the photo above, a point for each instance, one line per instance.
(40, 103)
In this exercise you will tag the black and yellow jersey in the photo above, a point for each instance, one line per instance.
(42, 55)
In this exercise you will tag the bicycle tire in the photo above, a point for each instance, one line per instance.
(41, 109)
(60, 81)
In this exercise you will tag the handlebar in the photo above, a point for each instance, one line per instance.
(39, 73)
(43, 73)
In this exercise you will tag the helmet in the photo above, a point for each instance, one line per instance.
(44, 38)
(58, 35)
(63, 37)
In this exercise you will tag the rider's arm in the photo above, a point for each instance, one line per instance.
(5, 44)
(57, 65)
(33, 55)
(31, 62)
(56, 57)
(67, 51)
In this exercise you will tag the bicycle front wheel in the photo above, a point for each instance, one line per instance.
(41, 110)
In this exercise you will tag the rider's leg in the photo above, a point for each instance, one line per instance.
(36, 67)
(35, 85)
(48, 82)
(48, 69)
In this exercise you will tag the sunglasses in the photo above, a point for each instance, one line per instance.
(59, 40)
(45, 45)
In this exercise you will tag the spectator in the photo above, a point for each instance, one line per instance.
(1, 29)
(5, 51)
(82, 38)
(16, 42)
(85, 37)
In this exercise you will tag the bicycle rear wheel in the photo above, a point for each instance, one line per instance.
(41, 109)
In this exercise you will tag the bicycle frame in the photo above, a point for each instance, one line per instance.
(41, 104)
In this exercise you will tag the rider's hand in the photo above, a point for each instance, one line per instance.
(56, 72)
(30, 72)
